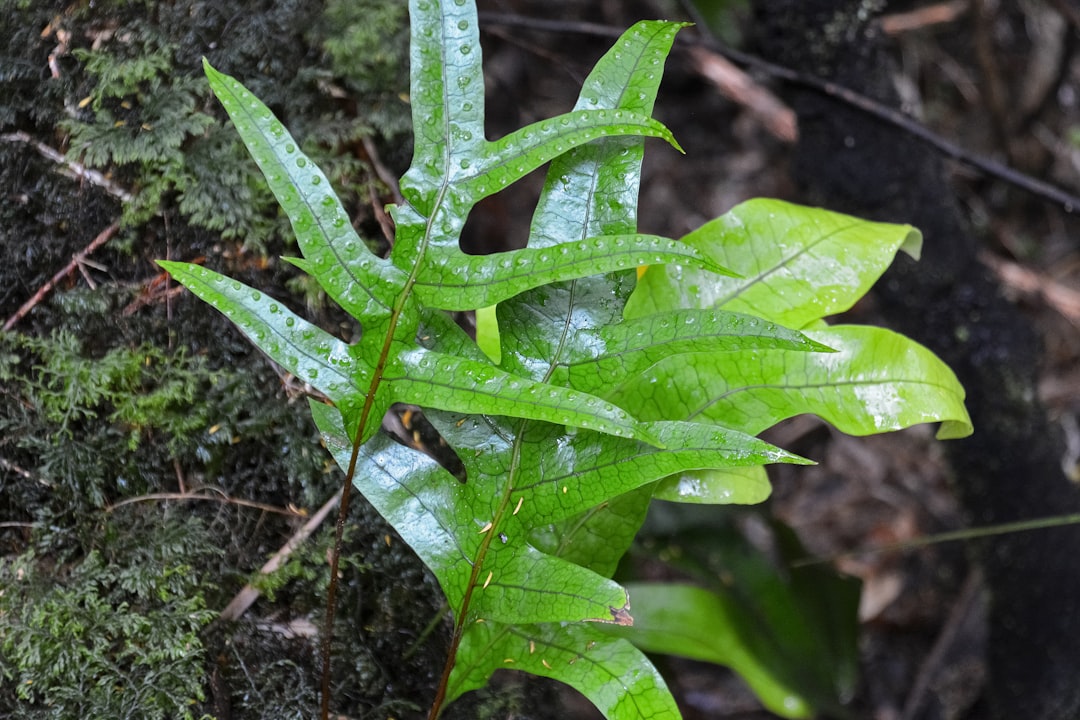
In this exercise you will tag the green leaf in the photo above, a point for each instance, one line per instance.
(694, 623)
(447, 382)
(626, 349)
(466, 535)
(797, 264)
(877, 381)
(456, 281)
(723, 486)
(791, 633)
(334, 254)
(611, 672)
(305, 350)
(593, 189)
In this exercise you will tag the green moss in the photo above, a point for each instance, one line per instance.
(115, 392)
(115, 634)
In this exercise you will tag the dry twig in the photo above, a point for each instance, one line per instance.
(249, 594)
(735, 84)
(194, 495)
(1061, 298)
(70, 168)
(939, 14)
(77, 261)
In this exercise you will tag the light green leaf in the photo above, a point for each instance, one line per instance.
(877, 381)
(628, 348)
(447, 382)
(797, 264)
(724, 486)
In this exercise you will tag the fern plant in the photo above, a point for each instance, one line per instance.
(595, 391)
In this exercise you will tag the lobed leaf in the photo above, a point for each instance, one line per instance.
(446, 94)
(877, 381)
(452, 280)
(561, 475)
(558, 478)
(618, 679)
(335, 255)
(514, 156)
(447, 382)
(449, 526)
(596, 538)
(593, 189)
(305, 350)
(798, 264)
(626, 349)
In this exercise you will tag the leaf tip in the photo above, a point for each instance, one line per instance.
(955, 430)
(912, 244)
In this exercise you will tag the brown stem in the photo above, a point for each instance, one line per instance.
(331, 593)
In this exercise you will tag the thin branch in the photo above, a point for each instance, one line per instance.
(917, 19)
(187, 496)
(381, 170)
(966, 534)
(734, 83)
(8, 465)
(71, 168)
(249, 594)
(102, 238)
(1069, 203)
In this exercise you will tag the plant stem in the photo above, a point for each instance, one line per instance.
(331, 593)
(951, 536)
